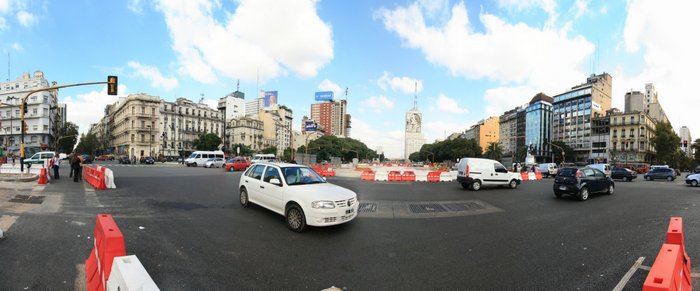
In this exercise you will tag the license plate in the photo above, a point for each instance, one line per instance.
(562, 187)
(351, 210)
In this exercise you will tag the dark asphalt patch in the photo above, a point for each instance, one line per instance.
(29, 199)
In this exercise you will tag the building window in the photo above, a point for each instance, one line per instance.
(35, 111)
(153, 111)
(46, 127)
(46, 111)
(632, 119)
(143, 110)
(132, 137)
(143, 138)
(615, 133)
(132, 124)
(143, 124)
(35, 127)
(133, 108)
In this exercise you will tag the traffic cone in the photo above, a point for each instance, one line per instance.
(42, 177)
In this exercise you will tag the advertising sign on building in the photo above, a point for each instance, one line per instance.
(595, 106)
(324, 96)
(270, 99)
(310, 126)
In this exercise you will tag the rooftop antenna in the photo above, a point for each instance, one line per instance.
(238, 85)
(346, 93)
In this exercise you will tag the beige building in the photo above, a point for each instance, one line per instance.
(484, 132)
(133, 124)
(277, 127)
(246, 131)
(183, 121)
(630, 136)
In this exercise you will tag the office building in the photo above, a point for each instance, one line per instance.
(42, 117)
(332, 117)
(538, 127)
(573, 111)
(232, 105)
(484, 132)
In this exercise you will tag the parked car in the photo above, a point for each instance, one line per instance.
(298, 193)
(472, 173)
(582, 182)
(148, 161)
(660, 173)
(214, 162)
(623, 173)
(237, 164)
(124, 160)
(39, 158)
(101, 158)
(549, 169)
(693, 180)
(87, 159)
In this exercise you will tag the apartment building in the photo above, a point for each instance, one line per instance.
(183, 121)
(630, 137)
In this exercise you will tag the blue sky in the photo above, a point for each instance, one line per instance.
(471, 59)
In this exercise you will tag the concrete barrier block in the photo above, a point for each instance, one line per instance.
(381, 175)
(128, 274)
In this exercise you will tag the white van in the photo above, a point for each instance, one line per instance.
(199, 158)
(472, 173)
(549, 169)
(39, 158)
(605, 168)
(259, 158)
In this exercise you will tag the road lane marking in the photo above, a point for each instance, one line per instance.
(645, 268)
(6, 221)
(80, 283)
(629, 274)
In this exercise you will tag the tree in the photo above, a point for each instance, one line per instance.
(414, 157)
(666, 142)
(287, 154)
(207, 142)
(88, 144)
(696, 146)
(556, 150)
(346, 148)
(67, 137)
(244, 150)
(270, 150)
(494, 151)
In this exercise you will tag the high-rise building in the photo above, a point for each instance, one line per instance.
(41, 117)
(600, 136)
(332, 117)
(484, 132)
(253, 107)
(573, 111)
(232, 105)
(538, 127)
(414, 138)
(511, 133)
(686, 141)
(636, 101)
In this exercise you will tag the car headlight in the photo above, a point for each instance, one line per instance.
(323, 204)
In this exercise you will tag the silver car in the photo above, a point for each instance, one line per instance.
(215, 163)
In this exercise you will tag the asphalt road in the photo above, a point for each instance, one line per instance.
(189, 231)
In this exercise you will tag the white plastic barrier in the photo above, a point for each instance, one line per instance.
(421, 176)
(129, 275)
(381, 176)
(109, 179)
(531, 176)
(446, 177)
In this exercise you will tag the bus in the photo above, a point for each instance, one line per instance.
(640, 168)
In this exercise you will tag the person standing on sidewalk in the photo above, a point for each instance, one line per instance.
(56, 161)
(75, 166)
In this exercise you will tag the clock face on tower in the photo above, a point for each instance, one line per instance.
(413, 122)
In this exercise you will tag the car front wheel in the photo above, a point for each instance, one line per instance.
(583, 195)
(295, 218)
(611, 189)
(244, 198)
(669, 179)
(513, 184)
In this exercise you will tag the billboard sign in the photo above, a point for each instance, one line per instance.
(324, 96)
(310, 126)
(270, 99)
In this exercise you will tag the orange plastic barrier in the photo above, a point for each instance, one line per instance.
(327, 171)
(318, 168)
(42, 177)
(671, 269)
(95, 177)
(538, 175)
(524, 175)
(433, 176)
(109, 243)
(367, 175)
(394, 176)
(408, 176)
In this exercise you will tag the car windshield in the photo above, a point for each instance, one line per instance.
(568, 172)
(301, 176)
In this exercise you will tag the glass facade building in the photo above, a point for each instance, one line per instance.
(538, 127)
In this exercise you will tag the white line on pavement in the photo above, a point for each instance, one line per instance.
(80, 283)
(629, 274)
(645, 268)
(6, 221)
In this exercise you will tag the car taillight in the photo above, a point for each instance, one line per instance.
(579, 174)
(466, 171)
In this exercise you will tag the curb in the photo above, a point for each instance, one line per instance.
(15, 179)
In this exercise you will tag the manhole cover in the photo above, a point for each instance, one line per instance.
(367, 207)
(426, 208)
(464, 206)
(28, 199)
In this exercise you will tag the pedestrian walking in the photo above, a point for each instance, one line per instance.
(56, 161)
(75, 166)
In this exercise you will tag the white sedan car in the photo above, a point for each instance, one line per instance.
(214, 162)
(299, 194)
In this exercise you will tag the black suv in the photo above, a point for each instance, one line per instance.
(148, 160)
(623, 173)
(582, 182)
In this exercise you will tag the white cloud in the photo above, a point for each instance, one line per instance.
(501, 99)
(581, 8)
(328, 85)
(660, 34)
(18, 47)
(88, 108)
(504, 52)
(406, 85)
(153, 75)
(26, 19)
(5, 6)
(135, 6)
(440, 129)
(448, 105)
(378, 104)
(603, 10)
(392, 142)
(262, 38)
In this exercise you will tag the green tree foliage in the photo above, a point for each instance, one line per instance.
(207, 142)
(449, 150)
(67, 137)
(414, 157)
(346, 148)
(287, 155)
(494, 151)
(244, 150)
(696, 147)
(666, 142)
(556, 150)
(88, 144)
(270, 150)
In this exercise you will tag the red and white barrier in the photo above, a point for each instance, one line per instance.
(671, 269)
(128, 274)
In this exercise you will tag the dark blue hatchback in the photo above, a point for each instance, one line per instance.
(582, 182)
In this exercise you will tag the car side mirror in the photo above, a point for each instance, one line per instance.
(276, 181)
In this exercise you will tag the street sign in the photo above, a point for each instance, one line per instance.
(310, 126)
(324, 96)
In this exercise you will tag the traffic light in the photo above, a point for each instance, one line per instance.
(112, 84)
(24, 107)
